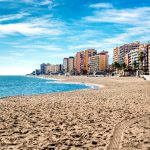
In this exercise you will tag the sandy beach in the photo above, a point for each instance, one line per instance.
(115, 117)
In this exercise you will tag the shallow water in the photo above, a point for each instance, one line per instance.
(22, 85)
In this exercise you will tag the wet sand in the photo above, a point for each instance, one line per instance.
(116, 116)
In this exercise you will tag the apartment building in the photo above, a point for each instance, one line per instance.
(98, 62)
(71, 64)
(133, 56)
(87, 54)
(103, 60)
(125, 49)
(79, 62)
(65, 64)
(116, 55)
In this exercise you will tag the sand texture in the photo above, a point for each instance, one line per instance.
(115, 117)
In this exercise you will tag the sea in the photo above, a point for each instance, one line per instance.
(25, 85)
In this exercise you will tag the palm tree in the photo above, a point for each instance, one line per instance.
(123, 66)
(129, 67)
(84, 72)
(141, 58)
(116, 65)
(135, 65)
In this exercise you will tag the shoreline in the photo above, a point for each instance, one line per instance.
(59, 81)
(63, 81)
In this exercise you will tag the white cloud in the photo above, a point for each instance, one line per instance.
(22, 28)
(131, 34)
(101, 5)
(55, 38)
(28, 29)
(50, 3)
(41, 47)
(46, 2)
(132, 16)
(43, 26)
(13, 17)
(88, 45)
(134, 25)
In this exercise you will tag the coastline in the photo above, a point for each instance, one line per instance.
(84, 119)
(55, 80)
(63, 80)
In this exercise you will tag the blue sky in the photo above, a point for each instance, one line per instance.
(37, 31)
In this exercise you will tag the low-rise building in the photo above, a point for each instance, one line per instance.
(44, 68)
(49, 68)
(58, 68)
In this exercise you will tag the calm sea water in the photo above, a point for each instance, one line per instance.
(22, 85)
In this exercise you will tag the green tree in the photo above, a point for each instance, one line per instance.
(123, 66)
(84, 72)
(135, 65)
(141, 58)
(116, 65)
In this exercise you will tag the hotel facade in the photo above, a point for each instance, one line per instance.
(87, 54)
(99, 62)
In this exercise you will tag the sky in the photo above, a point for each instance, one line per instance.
(45, 31)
